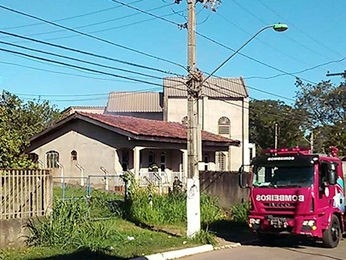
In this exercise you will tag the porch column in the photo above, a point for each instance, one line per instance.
(229, 157)
(136, 160)
(184, 162)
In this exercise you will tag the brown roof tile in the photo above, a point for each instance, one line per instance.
(152, 128)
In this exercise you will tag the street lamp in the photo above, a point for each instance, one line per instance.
(194, 85)
(278, 27)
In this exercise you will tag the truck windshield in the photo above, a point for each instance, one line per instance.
(283, 176)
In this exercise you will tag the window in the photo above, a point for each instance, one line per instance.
(52, 159)
(33, 157)
(224, 126)
(221, 161)
(74, 155)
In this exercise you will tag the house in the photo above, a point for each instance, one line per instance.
(103, 145)
(223, 110)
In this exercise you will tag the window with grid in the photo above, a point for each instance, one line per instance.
(52, 159)
(221, 161)
(224, 126)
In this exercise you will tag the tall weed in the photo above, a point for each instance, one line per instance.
(239, 212)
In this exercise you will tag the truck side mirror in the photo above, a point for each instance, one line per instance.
(244, 180)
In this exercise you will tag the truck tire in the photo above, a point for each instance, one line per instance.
(331, 236)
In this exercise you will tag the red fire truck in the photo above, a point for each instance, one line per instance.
(295, 192)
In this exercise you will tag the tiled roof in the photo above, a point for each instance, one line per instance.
(151, 128)
(134, 102)
(213, 87)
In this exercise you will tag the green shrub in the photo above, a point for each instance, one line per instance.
(57, 229)
(239, 212)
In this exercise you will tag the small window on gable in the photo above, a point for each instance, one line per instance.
(74, 155)
(184, 121)
(52, 159)
(224, 126)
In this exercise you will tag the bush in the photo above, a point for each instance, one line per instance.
(239, 212)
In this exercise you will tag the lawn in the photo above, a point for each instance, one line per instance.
(103, 226)
(98, 227)
(121, 240)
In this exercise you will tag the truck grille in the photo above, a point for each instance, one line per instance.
(273, 207)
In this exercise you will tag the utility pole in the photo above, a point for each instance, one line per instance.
(193, 93)
(312, 141)
(276, 135)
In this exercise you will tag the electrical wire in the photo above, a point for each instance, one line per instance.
(70, 17)
(303, 32)
(253, 59)
(78, 67)
(88, 53)
(79, 60)
(102, 22)
(93, 37)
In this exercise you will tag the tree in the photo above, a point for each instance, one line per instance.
(20, 121)
(325, 107)
(263, 116)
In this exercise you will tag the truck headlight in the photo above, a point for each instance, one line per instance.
(309, 224)
(254, 221)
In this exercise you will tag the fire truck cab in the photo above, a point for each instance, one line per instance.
(295, 192)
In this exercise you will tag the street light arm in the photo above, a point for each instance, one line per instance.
(277, 27)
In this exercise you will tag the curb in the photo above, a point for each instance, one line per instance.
(185, 252)
(177, 253)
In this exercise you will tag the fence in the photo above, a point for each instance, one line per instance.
(25, 193)
(115, 182)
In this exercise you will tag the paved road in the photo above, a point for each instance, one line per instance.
(290, 250)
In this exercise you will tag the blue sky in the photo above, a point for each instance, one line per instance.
(145, 33)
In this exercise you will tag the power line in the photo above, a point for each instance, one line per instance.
(306, 34)
(253, 59)
(79, 67)
(70, 17)
(148, 13)
(93, 37)
(79, 60)
(59, 72)
(102, 22)
(301, 71)
(87, 53)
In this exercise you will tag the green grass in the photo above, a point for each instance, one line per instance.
(113, 237)
(104, 225)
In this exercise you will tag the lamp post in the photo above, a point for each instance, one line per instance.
(194, 86)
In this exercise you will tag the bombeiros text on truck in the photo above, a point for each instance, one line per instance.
(295, 192)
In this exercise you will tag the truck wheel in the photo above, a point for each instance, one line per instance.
(331, 236)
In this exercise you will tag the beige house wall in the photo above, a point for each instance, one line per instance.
(210, 111)
(91, 156)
